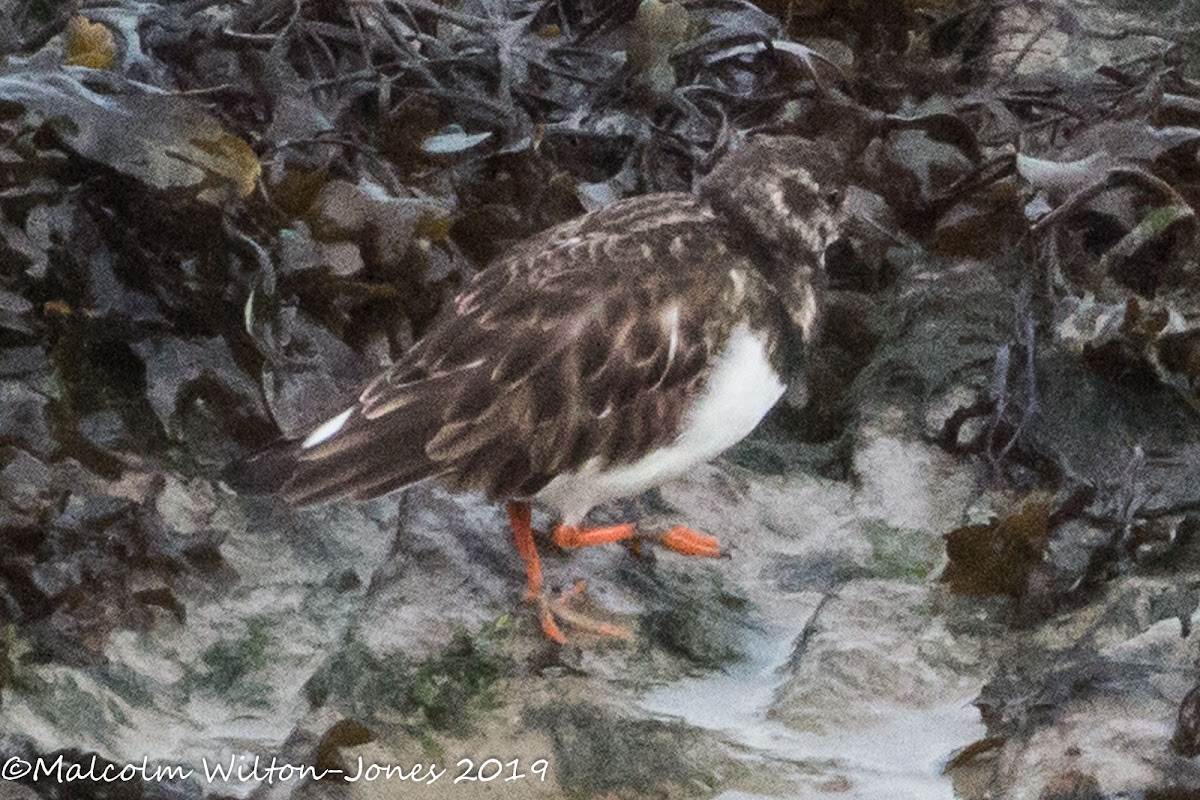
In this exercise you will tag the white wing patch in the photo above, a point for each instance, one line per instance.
(808, 314)
(670, 321)
(778, 201)
(327, 430)
(739, 283)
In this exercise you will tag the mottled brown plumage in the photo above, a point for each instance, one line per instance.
(554, 355)
(588, 341)
(599, 358)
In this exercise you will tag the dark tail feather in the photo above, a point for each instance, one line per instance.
(282, 469)
(366, 459)
(265, 472)
(360, 456)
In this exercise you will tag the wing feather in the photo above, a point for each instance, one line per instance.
(589, 341)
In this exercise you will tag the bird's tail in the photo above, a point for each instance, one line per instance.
(264, 472)
(356, 457)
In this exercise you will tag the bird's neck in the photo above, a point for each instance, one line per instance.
(795, 273)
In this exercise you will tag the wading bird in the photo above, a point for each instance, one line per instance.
(598, 359)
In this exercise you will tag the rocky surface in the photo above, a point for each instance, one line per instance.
(967, 568)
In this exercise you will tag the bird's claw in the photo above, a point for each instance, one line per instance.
(551, 610)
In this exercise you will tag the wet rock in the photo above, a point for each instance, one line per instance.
(1095, 694)
(107, 430)
(313, 375)
(226, 678)
(25, 419)
(23, 362)
(1185, 741)
(174, 365)
(883, 635)
(596, 751)
(1086, 424)
(695, 615)
(744, 613)
(905, 482)
(16, 314)
(1072, 785)
(455, 554)
(17, 792)
(26, 487)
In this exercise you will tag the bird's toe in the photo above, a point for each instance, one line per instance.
(552, 610)
(688, 542)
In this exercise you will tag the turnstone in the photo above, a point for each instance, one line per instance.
(599, 359)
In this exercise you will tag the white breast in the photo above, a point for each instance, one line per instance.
(741, 390)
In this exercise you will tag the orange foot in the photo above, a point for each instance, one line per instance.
(680, 539)
(691, 543)
(550, 611)
(684, 541)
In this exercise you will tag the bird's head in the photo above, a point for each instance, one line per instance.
(783, 195)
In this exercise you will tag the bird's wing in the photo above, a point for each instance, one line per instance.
(590, 340)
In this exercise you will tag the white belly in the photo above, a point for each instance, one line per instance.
(741, 390)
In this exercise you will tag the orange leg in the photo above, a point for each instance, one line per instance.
(520, 517)
(568, 536)
(549, 611)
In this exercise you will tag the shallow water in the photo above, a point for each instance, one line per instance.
(902, 756)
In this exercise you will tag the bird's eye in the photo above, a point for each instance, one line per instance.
(834, 197)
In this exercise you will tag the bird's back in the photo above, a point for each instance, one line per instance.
(588, 341)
